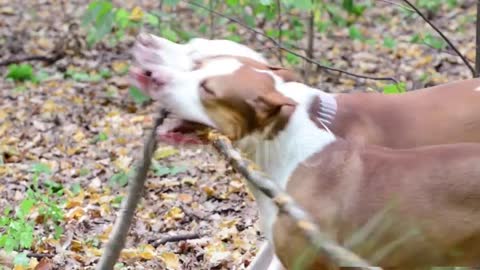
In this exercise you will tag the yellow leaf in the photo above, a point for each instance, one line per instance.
(171, 260)
(49, 106)
(76, 213)
(210, 191)
(147, 252)
(189, 181)
(79, 136)
(123, 163)
(95, 251)
(174, 213)
(106, 233)
(120, 67)
(136, 14)
(128, 253)
(168, 196)
(164, 152)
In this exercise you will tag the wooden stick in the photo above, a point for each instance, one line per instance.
(115, 244)
(334, 252)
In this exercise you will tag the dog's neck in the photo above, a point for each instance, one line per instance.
(279, 156)
(300, 138)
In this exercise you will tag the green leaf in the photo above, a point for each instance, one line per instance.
(416, 38)
(151, 19)
(121, 18)
(160, 170)
(22, 72)
(389, 42)
(169, 34)
(138, 96)
(21, 259)
(26, 237)
(119, 179)
(101, 137)
(348, 5)
(25, 207)
(58, 232)
(301, 4)
(171, 2)
(53, 186)
(266, 2)
(76, 187)
(355, 33)
(394, 88)
(434, 42)
(39, 168)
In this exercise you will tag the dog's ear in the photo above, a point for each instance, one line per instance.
(286, 74)
(271, 104)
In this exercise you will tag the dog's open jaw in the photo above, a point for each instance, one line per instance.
(222, 92)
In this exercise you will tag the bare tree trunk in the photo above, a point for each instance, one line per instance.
(311, 37)
(477, 53)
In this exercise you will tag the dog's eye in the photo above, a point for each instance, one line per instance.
(205, 89)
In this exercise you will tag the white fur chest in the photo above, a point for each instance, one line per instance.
(279, 157)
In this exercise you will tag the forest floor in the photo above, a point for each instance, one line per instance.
(77, 138)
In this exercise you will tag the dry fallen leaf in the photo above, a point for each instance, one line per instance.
(171, 260)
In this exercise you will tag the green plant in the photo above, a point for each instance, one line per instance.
(101, 19)
(138, 95)
(17, 227)
(397, 88)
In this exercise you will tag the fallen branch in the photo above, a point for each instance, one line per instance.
(176, 238)
(280, 45)
(48, 59)
(332, 251)
(115, 244)
(443, 36)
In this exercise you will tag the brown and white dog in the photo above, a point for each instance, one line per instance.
(441, 114)
(288, 129)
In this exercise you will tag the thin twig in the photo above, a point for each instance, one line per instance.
(115, 244)
(477, 51)
(398, 5)
(310, 41)
(279, 29)
(48, 59)
(443, 36)
(286, 204)
(176, 238)
(279, 45)
(212, 19)
(40, 255)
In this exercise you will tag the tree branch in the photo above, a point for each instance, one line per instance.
(477, 51)
(279, 29)
(279, 45)
(310, 41)
(334, 252)
(48, 59)
(115, 244)
(398, 5)
(443, 36)
(176, 238)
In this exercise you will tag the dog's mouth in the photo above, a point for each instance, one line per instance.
(179, 131)
(173, 130)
